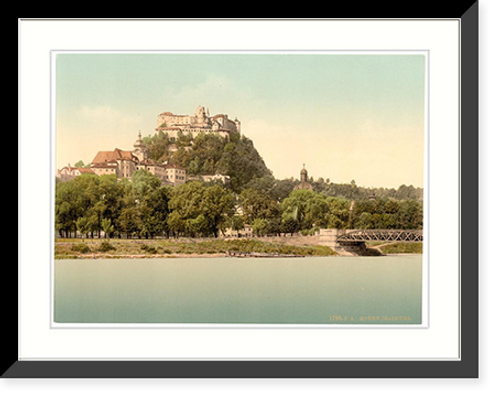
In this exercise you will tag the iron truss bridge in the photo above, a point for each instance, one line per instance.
(381, 235)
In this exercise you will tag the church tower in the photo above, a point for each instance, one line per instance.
(140, 150)
(303, 184)
(303, 173)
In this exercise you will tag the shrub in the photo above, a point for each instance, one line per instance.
(105, 246)
(402, 248)
(149, 249)
(81, 247)
(323, 251)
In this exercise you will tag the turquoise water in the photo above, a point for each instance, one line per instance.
(313, 290)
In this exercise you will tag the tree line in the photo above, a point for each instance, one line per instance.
(237, 157)
(141, 207)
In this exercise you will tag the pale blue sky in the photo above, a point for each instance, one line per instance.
(346, 116)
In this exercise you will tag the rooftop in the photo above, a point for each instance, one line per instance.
(116, 154)
(170, 165)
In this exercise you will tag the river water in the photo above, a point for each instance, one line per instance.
(312, 290)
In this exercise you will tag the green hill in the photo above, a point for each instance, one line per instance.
(209, 153)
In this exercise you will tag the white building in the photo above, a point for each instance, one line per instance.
(68, 173)
(246, 232)
(123, 163)
(171, 124)
(174, 174)
(225, 179)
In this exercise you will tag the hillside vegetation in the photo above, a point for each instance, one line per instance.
(209, 154)
(92, 205)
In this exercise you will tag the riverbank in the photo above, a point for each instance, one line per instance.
(209, 248)
(178, 248)
(388, 248)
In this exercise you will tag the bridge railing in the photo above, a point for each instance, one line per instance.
(382, 235)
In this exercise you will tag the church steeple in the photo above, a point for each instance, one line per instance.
(140, 148)
(303, 184)
(303, 173)
(139, 142)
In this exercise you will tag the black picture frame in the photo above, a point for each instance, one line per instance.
(467, 367)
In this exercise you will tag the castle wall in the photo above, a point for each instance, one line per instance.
(226, 123)
(171, 120)
(200, 122)
(173, 133)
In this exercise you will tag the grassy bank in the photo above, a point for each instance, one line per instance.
(401, 248)
(123, 248)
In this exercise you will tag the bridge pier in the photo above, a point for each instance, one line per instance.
(329, 237)
(354, 247)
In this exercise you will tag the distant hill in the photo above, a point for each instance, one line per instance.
(209, 153)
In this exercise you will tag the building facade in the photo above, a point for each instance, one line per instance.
(171, 124)
(246, 232)
(68, 173)
(225, 179)
(175, 174)
(123, 163)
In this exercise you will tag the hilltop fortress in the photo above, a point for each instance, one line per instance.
(201, 121)
(123, 163)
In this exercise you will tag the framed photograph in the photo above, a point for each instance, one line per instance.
(240, 239)
(279, 198)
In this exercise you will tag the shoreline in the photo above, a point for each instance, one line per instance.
(211, 248)
(139, 256)
(143, 256)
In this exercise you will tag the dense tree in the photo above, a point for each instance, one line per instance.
(142, 207)
(338, 213)
(352, 191)
(151, 203)
(259, 226)
(410, 215)
(128, 221)
(200, 209)
(307, 208)
(107, 226)
(387, 214)
(282, 188)
(158, 146)
(364, 221)
(76, 199)
(210, 153)
(257, 205)
(236, 223)
(84, 225)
